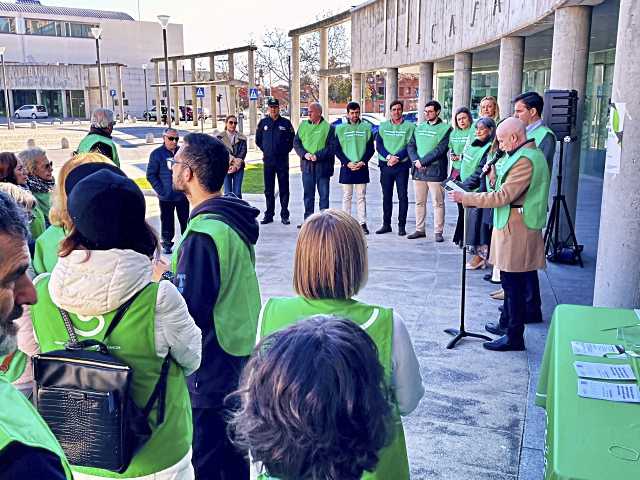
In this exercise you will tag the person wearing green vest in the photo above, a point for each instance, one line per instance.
(519, 199)
(354, 148)
(314, 144)
(458, 138)
(213, 266)
(428, 151)
(301, 399)
(99, 137)
(330, 268)
(40, 183)
(392, 140)
(105, 261)
(528, 108)
(28, 449)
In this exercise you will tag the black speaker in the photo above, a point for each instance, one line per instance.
(560, 112)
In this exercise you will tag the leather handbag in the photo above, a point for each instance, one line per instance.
(84, 394)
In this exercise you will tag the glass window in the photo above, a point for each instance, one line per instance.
(7, 25)
(80, 30)
(44, 27)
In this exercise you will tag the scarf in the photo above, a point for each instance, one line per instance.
(38, 185)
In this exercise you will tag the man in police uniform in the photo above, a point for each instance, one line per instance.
(274, 136)
(519, 189)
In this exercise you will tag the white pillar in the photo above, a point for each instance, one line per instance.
(213, 93)
(356, 89)
(38, 97)
(425, 86)
(390, 89)
(295, 82)
(253, 113)
(617, 282)
(158, 95)
(232, 90)
(120, 93)
(175, 94)
(510, 73)
(461, 80)
(65, 110)
(324, 64)
(194, 99)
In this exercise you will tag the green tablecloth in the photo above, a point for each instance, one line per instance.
(586, 439)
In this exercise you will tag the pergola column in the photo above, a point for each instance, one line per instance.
(232, 89)
(213, 93)
(120, 93)
(158, 95)
(194, 98)
(295, 81)
(253, 113)
(324, 64)
(175, 93)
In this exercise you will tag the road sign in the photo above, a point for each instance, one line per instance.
(253, 94)
(112, 92)
(200, 92)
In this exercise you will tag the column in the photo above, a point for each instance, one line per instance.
(461, 81)
(65, 110)
(120, 93)
(253, 113)
(158, 94)
(356, 89)
(295, 82)
(175, 94)
(38, 97)
(617, 282)
(194, 99)
(570, 56)
(425, 86)
(324, 64)
(510, 73)
(105, 88)
(213, 93)
(231, 99)
(390, 89)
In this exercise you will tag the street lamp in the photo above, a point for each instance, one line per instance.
(96, 32)
(146, 98)
(4, 87)
(164, 22)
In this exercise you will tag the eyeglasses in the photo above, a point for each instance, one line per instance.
(171, 163)
(48, 165)
(173, 139)
(231, 122)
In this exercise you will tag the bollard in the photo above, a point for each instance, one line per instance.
(31, 143)
(134, 120)
(12, 126)
(34, 125)
(64, 143)
(149, 138)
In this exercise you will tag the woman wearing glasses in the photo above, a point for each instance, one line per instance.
(236, 143)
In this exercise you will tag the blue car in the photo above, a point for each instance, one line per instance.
(369, 118)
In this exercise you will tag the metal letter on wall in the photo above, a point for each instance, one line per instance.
(418, 26)
(475, 11)
(406, 23)
(433, 31)
(452, 26)
(497, 5)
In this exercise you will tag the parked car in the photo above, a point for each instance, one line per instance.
(372, 120)
(411, 116)
(151, 114)
(31, 111)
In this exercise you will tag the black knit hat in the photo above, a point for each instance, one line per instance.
(86, 169)
(108, 210)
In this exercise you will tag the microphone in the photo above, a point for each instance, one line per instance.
(499, 154)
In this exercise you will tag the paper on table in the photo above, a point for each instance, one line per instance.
(616, 392)
(604, 371)
(594, 349)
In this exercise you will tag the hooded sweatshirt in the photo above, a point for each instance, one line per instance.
(197, 277)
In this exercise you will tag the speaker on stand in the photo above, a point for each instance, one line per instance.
(560, 115)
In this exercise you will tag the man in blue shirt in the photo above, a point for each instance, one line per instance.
(159, 176)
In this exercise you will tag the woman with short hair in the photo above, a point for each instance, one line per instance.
(330, 268)
(40, 181)
(462, 131)
(236, 143)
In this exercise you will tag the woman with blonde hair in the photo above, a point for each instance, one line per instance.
(47, 245)
(489, 108)
(330, 268)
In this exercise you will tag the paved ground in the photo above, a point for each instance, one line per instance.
(477, 419)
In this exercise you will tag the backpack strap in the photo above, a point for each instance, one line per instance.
(159, 391)
(122, 311)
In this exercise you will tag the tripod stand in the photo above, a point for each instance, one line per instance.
(551, 241)
(459, 334)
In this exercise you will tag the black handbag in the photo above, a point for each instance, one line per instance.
(84, 394)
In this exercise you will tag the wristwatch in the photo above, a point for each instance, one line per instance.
(388, 157)
(168, 275)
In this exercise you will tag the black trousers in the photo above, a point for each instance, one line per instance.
(516, 285)
(533, 304)
(167, 222)
(281, 170)
(214, 456)
(397, 175)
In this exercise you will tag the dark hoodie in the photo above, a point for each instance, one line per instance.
(198, 279)
(100, 147)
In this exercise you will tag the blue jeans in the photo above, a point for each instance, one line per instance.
(233, 183)
(310, 181)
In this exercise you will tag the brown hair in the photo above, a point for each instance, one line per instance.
(8, 163)
(58, 215)
(331, 257)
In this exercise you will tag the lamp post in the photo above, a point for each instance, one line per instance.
(96, 32)
(146, 98)
(164, 22)
(4, 87)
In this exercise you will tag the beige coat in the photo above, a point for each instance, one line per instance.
(238, 163)
(516, 248)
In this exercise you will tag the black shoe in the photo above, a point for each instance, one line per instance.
(401, 231)
(285, 221)
(384, 229)
(266, 220)
(536, 319)
(487, 277)
(299, 226)
(501, 308)
(166, 249)
(365, 230)
(504, 344)
(416, 234)
(494, 329)
(439, 238)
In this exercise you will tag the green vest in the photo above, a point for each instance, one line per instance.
(353, 139)
(534, 208)
(237, 307)
(429, 136)
(471, 158)
(395, 137)
(539, 133)
(314, 136)
(12, 367)
(45, 255)
(457, 142)
(20, 422)
(87, 143)
(279, 313)
(38, 223)
(133, 342)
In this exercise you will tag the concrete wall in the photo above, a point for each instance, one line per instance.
(46, 77)
(439, 28)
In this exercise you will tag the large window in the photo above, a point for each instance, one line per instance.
(7, 25)
(56, 28)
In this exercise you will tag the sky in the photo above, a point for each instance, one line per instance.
(215, 24)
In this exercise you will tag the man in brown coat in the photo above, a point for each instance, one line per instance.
(520, 187)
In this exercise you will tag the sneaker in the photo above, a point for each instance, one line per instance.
(439, 238)
(365, 230)
(384, 229)
(401, 231)
(266, 220)
(417, 234)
